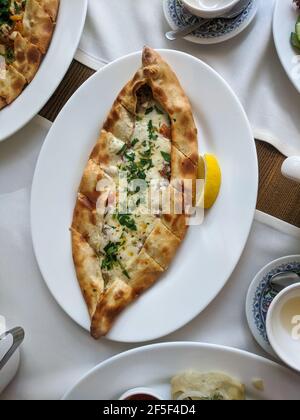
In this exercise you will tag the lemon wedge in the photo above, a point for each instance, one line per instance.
(209, 170)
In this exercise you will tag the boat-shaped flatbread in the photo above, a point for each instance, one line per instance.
(150, 139)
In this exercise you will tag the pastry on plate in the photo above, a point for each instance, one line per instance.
(149, 139)
(26, 29)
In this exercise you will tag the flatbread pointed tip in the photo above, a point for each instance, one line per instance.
(116, 298)
(24, 45)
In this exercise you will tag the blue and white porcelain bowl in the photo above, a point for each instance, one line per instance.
(216, 30)
(208, 9)
(261, 295)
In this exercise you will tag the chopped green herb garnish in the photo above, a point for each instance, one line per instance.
(127, 221)
(125, 272)
(134, 171)
(130, 156)
(111, 253)
(146, 163)
(152, 131)
(4, 12)
(158, 110)
(18, 8)
(134, 142)
(111, 258)
(149, 110)
(123, 150)
(166, 156)
(147, 153)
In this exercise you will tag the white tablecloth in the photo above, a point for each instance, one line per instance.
(248, 62)
(56, 352)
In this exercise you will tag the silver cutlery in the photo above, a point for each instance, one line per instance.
(18, 337)
(182, 33)
(282, 280)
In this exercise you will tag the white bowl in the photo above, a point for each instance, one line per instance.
(140, 391)
(291, 168)
(209, 8)
(283, 328)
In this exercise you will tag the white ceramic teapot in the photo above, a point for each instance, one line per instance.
(9, 355)
(291, 168)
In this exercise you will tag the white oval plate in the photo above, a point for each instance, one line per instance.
(66, 37)
(284, 20)
(209, 253)
(158, 363)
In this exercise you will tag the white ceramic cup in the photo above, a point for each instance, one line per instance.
(291, 168)
(283, 326)
(209, 9)
(9, 355)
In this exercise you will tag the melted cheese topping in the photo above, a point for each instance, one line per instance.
(130, 242)
(154, 114)
(161, 145)
(147, 157)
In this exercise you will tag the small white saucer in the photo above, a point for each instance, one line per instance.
(260, 296)
(216, 30)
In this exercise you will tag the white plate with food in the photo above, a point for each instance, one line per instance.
(285, 17)
(209, 252)
(38, 40)
(188, 371)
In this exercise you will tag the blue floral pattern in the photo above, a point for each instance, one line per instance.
(214, 28)
(265, 294)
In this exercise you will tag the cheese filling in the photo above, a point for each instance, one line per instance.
(146, 158)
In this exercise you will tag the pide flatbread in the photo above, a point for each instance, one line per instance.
(26, 28)
(150, 138)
